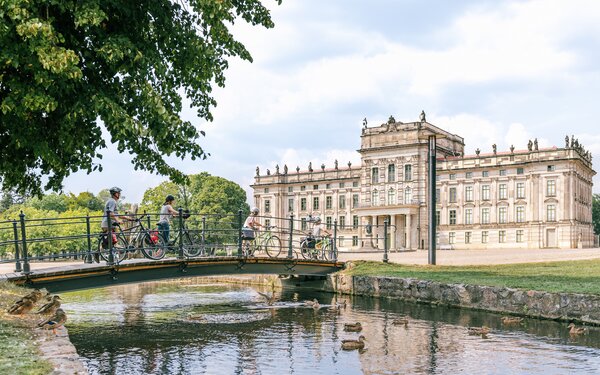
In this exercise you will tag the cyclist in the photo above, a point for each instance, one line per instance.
(111, 209)
(251, 225)
(319, 229)
(166, 212)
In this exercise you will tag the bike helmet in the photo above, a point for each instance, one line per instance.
(254, 210)
(316, 219)
(169, 198)
(114, 190)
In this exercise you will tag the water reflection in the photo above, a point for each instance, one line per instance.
(190, 328)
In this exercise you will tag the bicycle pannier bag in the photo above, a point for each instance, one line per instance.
(247, 233)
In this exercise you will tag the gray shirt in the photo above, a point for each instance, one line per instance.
(165, 214)
(111, 205)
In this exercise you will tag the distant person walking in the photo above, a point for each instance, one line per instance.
(166, 212)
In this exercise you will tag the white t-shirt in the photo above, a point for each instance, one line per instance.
(251, 222)
(165, 214)
(317, 229)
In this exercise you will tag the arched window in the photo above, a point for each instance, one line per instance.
(407, 195)
(375, 198)
(391, 196)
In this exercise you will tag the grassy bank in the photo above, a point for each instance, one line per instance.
(571, 276)
(18, 353)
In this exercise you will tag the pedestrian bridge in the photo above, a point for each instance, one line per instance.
(86, 276)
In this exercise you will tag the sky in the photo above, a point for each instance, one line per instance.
(493, 72)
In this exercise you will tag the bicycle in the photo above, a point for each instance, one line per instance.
(266, 240)
(190, 247)
(150, 242)
(311, 248)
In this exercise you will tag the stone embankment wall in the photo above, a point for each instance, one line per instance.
(558, 306)
(60, 352)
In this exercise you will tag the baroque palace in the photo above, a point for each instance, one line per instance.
(531, 198)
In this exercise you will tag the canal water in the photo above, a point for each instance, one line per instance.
(186, 327)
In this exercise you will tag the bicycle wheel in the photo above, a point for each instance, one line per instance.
(305, 250)
(119, 248)
(190, 247)
(326, 252)
(153, 246)
(273, 247)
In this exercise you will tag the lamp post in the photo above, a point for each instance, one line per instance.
(432, 199)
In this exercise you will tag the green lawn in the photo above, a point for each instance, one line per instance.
(581, 276)
(18, 354)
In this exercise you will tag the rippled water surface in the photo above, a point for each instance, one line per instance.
(184, 327)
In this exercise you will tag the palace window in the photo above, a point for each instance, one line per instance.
(375, 175)
(303, 223)
(342, 222)
(315, 187)
(437, 218)
(520, 214)
(391, 196)
(551, 212)
(485, 215)
(469, 175)
(354, 240)
(266, 190)
(408, 172)
(452, 176)
(374, 198)
(520, 190)
(315, 203)
(551, 168)
(451, 237)
(467, 237)
(437, 195)
(290, 189)
(502, 236)
(391, 173)
(452, 217)
(342, 185)
(502, 215)
(354, 200)
(354, 183)
(485, 192)
(469, 193)
(520, 171)
(484, 236)
(328, 202)
(291, 204)
(327, 186)
(502, 191)
(468, 216)
(303, 187)
(303, 204)
(485, 174)
(328, 222)
(267, 223)
(267, 206)
(354, 222)
(502, 172)
(519, 235)
(452, 198)
(407, 195)
(551, 188)
(342, 202)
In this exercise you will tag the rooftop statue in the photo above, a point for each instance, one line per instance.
(535, 144)
(285, 169)
(422, 117)
(512, 149)
(335, 164)
(349, 165)
(310, 169)
(530, 145)
(494, 148)
(322, 167)
(297, 169)
(257, 171)
(268, 172)
(477, 152)
(365, 123)
(566, 141)
(277, 169)
(391, 120)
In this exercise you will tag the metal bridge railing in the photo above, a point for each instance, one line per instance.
(191, 235)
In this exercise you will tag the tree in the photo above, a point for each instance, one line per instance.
(596, 213)
(65, 64)
(155, 197)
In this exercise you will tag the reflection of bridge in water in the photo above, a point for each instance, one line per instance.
(85, 276)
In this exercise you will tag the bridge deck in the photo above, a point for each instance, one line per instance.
(85, 276)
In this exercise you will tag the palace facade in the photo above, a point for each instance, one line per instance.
(531, 198)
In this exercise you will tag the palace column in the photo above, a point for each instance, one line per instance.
(408, 232)
(393, 233)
